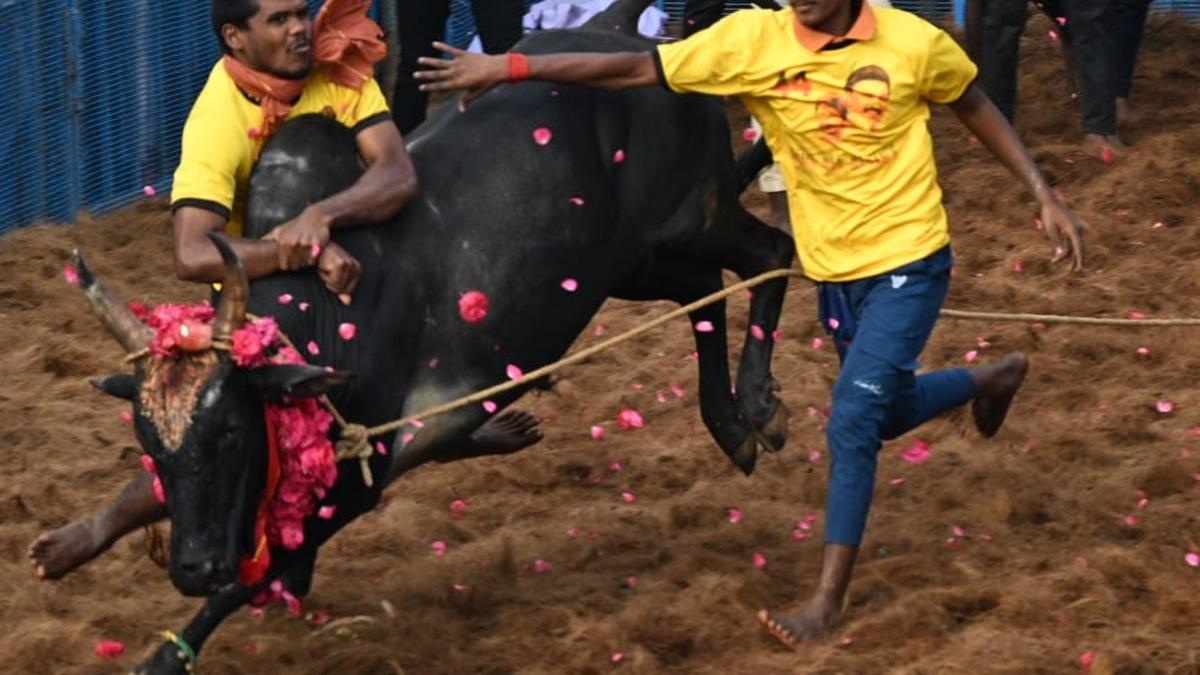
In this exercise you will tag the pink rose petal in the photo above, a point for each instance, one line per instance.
(1158, 225)
(71, 275)
(614, 466)
(618, 156)
(630, 419)
(834, 323)
(1053, 34)
(735, 516)
(303, 306)
(1164, 407)
(759, 560)
(1192, 559)
(1061, 20)
(896, 481)
(749, 134)
(1143, 351)
(149, 190)
(1086, 660)
(800, 535)
(439, 547)
(326, 512)
(577, 200)
(573, 532)
(777, 335)
(127, 417)
(970, 356)
(108, 649)
(1137, 315)
(541, 566)
(458, 508)
(817, 343)
(958, 531)
(473, 306)
(599, 330)
(917, 454)
(489, 407)
(312, 348)
(704, 327)
(597, 432)
(513, 372)
(347, 331)
(285, 298)
(380, 448)
(1017, 267)
(677, 390)
(617, 657)
(1131, 520)
(846, 640)
(814, 456)
(631, 581)
(315, 250)
(1143, 503)
(660, 396)
(757, 331)
(628, 497)
(569, 285)
(542, 136)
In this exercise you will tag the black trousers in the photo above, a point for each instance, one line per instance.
(1092, 51)
(700, 14)
(1128, 18)
(422, 22)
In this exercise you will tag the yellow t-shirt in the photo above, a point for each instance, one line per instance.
(220, 149)
(846, 122)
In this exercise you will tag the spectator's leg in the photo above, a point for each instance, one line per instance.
(1093, 47)
(421, 22)
(1056, 11)
(700, 14)
(1003, 23)
(499, 23)
(1128, 21)
(974, 21)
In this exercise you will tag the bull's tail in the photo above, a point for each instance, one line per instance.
(622, 17)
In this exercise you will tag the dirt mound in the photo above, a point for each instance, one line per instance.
(1050, 566)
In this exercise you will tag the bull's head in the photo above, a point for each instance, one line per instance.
(201, 419)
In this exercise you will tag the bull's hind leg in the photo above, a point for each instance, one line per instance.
(684, 282)
(750, 247)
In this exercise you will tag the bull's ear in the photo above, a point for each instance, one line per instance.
(121, 385)
(297, 381)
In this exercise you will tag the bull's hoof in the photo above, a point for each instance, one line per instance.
(166, 660)
(745, 456)
(773, 434)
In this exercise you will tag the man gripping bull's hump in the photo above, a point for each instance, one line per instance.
(842, 92)
(278, 64)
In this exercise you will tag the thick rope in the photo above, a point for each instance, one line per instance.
(354, 442)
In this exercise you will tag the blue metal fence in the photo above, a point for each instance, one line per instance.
(95, 94)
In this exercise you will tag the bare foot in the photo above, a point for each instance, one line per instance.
(508, 432)
(995, 386)
(812, 622)
(55, 554)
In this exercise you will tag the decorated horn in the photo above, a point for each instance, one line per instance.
(231, 308)
(117, 317)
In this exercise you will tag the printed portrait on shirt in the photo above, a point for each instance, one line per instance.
(868, 90)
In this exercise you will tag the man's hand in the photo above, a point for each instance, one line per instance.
(339, 271)
(477, 73)
(1065, 232)
(302, 239)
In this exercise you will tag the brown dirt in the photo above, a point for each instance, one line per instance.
(1061, 574)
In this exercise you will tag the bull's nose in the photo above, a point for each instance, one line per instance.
(193, 577)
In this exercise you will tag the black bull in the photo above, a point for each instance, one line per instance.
(495, 214)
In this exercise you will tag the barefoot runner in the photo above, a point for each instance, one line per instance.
(269, 47)
(842, 92)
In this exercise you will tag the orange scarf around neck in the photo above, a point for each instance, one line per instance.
(345, 42)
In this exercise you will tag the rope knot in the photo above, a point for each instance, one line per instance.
(355, 443)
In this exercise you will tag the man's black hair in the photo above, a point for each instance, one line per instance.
(236, 12)
(868, 73)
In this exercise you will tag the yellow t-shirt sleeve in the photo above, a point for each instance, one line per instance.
(948, 70)
(367, 106)
(208, 161)
(713, 61)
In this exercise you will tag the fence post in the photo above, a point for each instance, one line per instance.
(74, 125)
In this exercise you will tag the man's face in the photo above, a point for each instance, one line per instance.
(277, 40)
(815, 13)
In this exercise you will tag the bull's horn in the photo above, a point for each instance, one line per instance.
(117, 317)
(231, 308)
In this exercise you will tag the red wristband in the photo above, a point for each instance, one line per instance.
(518, 67)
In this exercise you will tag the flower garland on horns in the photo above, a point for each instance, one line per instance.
(299, 428)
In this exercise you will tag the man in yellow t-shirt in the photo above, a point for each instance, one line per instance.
(842, 92)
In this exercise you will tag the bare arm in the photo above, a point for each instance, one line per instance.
(477, 73)
(196, 259)
(977, 113)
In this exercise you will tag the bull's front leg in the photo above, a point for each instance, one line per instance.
(178, 656)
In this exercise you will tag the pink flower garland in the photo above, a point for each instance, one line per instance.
(307, 462)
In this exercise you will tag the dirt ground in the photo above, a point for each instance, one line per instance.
(1060, 554)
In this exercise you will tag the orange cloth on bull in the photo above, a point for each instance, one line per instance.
(345, 42)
